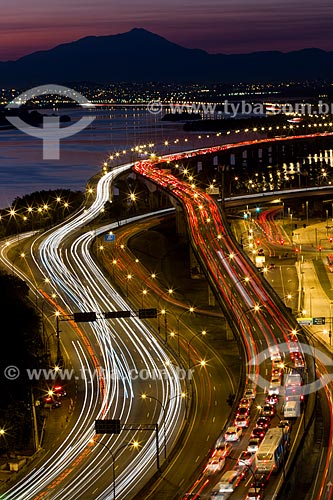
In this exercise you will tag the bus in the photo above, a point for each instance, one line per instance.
(272, 450)
(330, 262)
(294, 387)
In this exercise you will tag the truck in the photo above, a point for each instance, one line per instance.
(292, 409)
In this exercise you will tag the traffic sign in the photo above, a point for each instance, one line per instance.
(304, 321)
(109, 237)
(107, 426)
(117, 314)
(148, 313)
(84, 317)
(319, 321)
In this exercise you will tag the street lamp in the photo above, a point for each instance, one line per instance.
(173, 334)
(203, 333)
(134, 444)
(163, 313)
(128, 277)
(59, 358)
(114, 263)
(146, 396)
(46, 281)
(21, 255)
(255, 308)
(144, 293)
(330, 330)
(202, 363)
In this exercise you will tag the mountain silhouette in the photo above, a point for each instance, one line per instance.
(141, 56)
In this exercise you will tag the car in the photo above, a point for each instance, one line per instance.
(277, 371)
(299, 363)
(285, 424)
(253, 445)
(242, 421)
(242, 412)
(227, 485)
(245, 403)
(50, 402)
(263, 422)
(268, 411)
(274, 386)
(277, 365)
(258, 432)
(261, 251)
(216, 462)
(275, 355)
(255, 494)
(260, 480)
(246, 458)
(271, 265)
(224, 447)
(295, 355)
(250, 393)
(273, 399)
(242, 470)
(233, 433)
(59, 391)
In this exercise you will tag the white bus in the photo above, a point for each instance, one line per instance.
(272, 450)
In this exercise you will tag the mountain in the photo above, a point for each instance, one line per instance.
(139, 56)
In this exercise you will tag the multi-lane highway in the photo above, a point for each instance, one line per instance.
(263, 322)
(103, 353)
(107, 357)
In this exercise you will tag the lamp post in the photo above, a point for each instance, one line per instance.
(39, 291)
(58, 331)
(128, 277)
(21, 255)
(256, 308)
(163, 312)
(330, 330)
(202, 363)
(203, 333)
(134, 444)
(114, 264)
(144, 294)
(149, 396)
(173, 334)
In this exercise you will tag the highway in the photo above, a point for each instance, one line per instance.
(263, 324)
(100, 349)
(103, 354)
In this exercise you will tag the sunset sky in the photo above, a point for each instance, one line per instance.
(225, 26)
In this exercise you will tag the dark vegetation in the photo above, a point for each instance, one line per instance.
(39, 210)
(21, 346)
